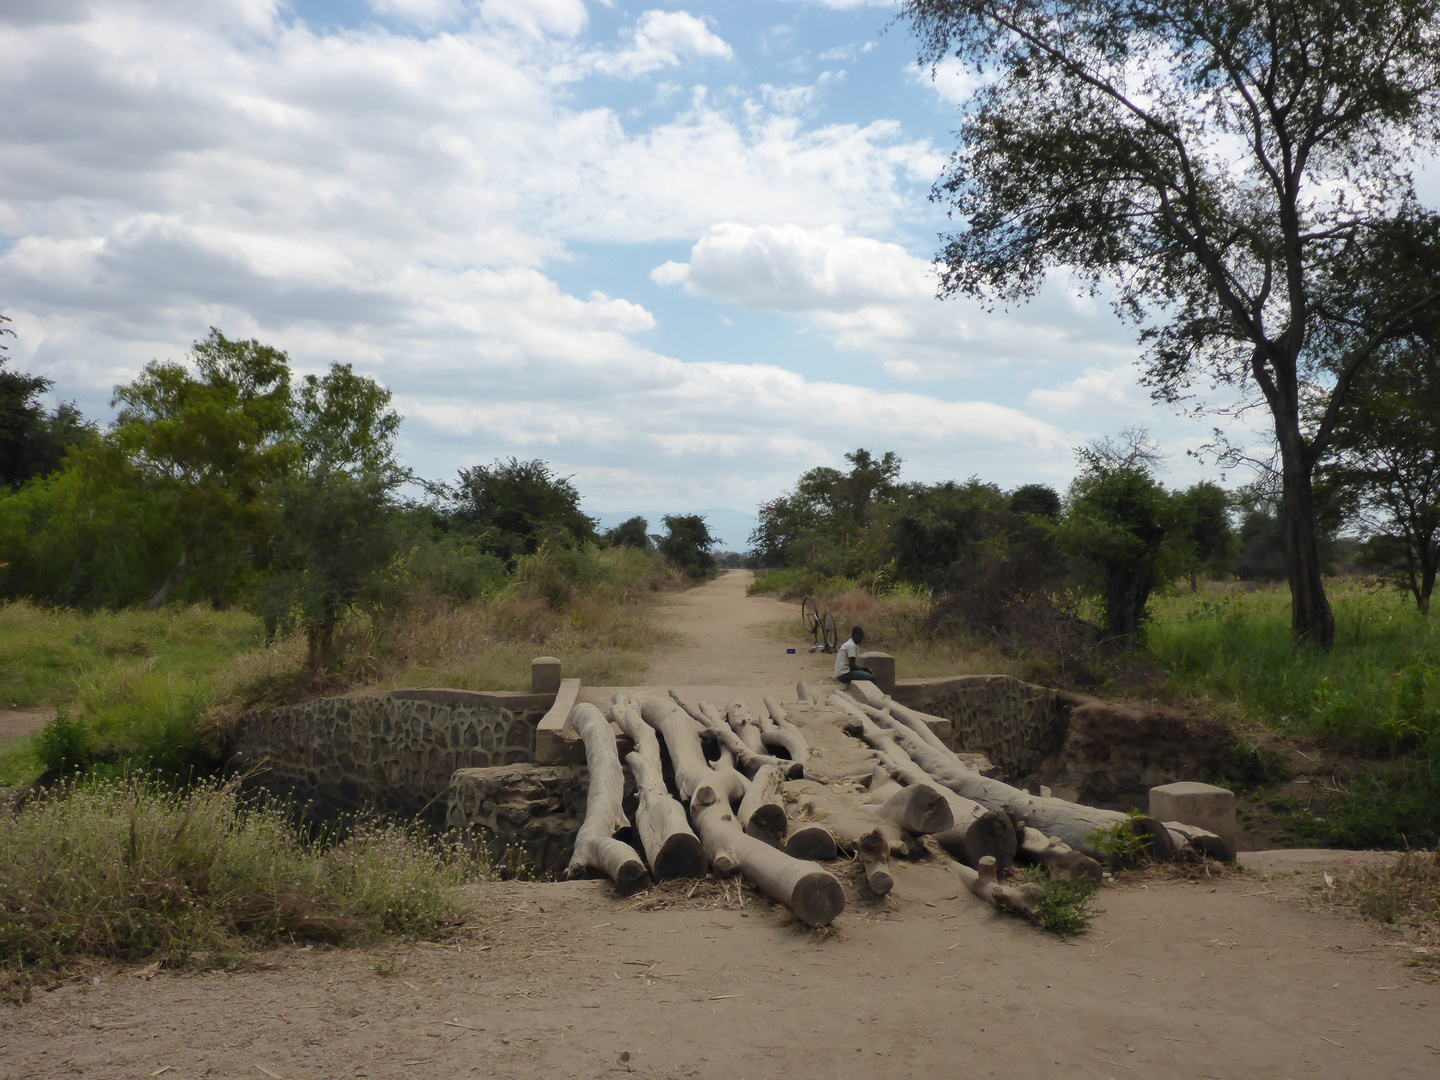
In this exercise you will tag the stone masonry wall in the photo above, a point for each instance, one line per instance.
(394, 753)
(1015, 724)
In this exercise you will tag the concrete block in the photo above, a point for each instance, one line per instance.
(882, 665)
(867, 692)
(1202, 805)
(544, 675)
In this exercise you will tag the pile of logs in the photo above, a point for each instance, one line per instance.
(747, 806)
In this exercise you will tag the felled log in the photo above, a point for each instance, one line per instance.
(802, 692)
(808, 840)
(984, 883)
(873, 852)
(595, 843)
(686, 757)
(671, 846)
(918, 809)
(810, 891)
(846, 819)
(1193, 842)
(761, 813)
(749, 761)
(745, 725)
(977, 832)
(1074, 823)
(728, 779)
(1058, 857)
(779, 733)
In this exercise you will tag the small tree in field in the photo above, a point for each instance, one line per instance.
(687, 543)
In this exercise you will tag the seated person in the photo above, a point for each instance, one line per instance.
(847, 668)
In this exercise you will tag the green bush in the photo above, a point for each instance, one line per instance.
(63, 746)
(129, 869)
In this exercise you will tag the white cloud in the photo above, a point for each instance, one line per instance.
(662, 39)
(1108, 391)
(877, 298)
(950, 79)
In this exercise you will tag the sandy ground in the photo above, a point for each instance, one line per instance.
(15, 724)
(1227, 977)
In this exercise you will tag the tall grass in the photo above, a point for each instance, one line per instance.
(1377, 691)
(130, 869)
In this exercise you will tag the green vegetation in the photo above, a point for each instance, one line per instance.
(1068, 906)
(130, 869)
(1404, 894)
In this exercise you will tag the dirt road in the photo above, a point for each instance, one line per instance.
(1227, 977)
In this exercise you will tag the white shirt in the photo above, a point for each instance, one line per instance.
(843, 654)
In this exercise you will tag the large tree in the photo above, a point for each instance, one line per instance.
(1218, 164)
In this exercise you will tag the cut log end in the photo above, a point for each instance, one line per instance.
(817, 899)
(682, 856)
(812, 842)
(768, 823)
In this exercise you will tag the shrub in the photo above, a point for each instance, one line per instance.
(63, 746)
(129, 869)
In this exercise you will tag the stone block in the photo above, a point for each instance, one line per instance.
(867, 692)
(545, 675)
(882, 666)
(1202, 805)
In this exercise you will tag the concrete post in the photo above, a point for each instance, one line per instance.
(1202, 805)
(545, 675)
(882, 666)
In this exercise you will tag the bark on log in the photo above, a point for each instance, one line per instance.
(1197, 843)
(686, 757)
(918, 809)
(750, 762)
(978, 831)
(846, 819)
(810, 891)
(1072, 822)
(595, 843)
(671, 846)
(1058, 857)
(761, 813)
(744, 724)
(779, 733)
(873, 853)
(982, 881)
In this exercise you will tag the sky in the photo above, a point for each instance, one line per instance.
(679, 251)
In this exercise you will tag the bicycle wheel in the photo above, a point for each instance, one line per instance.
(827, 629)
(810, 614)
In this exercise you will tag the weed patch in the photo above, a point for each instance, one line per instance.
(132, 870)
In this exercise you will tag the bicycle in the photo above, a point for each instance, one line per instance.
(821, 628)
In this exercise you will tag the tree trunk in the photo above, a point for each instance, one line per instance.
(1199, 843)
(1077, 825)
(750, 762)
(978, 831)
(873, 853)
(683, 744)
(671, 847)
(1058, 857)
(779, 733)
(1311, 620)
(917, 809)
(761, 813)
(984, 883)
(802, 693)
(810, 891)
(595, 845)
(744, 725)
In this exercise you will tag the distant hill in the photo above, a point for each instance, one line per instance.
(732, 527)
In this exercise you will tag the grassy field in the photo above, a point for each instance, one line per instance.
(156, 692)
(1377, 692)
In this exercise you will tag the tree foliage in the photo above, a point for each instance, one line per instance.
(1223, 167)
(517, 505)
(687, 543)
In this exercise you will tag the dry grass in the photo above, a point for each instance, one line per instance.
(693, 894)
(1403, 895)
